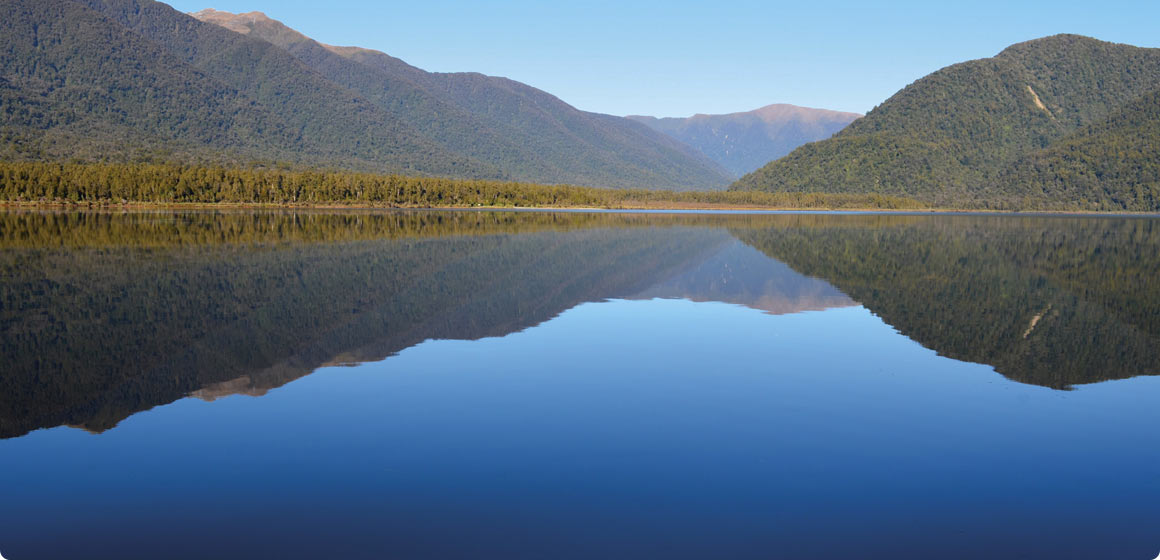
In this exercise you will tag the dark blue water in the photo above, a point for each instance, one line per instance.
(564, 386)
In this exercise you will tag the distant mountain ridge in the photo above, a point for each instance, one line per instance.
(135, 80)
(743, 142)
(1002, 131)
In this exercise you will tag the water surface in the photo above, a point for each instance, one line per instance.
(571, 385)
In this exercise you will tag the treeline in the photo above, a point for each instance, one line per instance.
(101, 183)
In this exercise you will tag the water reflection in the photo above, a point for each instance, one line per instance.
(1049, 301)
(736, 273)
(104, 315)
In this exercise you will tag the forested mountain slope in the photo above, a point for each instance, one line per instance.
(743, 142)
(950, 137)
(68, 75)
(528, 133)
(137, 81)
(1110, 165)
(120, 78)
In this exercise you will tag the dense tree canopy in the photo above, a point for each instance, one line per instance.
(959, 136)
(161, 183)
(132, 81)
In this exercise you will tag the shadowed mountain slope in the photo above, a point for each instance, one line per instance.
(137, 81)
(528, 133)
(126, 79)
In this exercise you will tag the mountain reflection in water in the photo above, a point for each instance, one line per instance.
(103, 315)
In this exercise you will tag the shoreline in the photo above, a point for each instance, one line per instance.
(654, 208)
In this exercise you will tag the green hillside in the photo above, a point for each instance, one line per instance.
(340, 123)
(1111, 165)
(122, 79)
(132, 81)
(949, 137)
(74, 84)
(530, 134)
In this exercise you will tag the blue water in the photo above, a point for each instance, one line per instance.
(629, 426)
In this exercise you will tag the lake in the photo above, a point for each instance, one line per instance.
(578, 385)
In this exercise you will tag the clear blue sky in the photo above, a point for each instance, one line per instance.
(676, 58)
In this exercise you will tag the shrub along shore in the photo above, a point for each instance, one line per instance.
(41, 183)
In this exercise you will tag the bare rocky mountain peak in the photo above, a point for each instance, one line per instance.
(241, 23)
(782, 111)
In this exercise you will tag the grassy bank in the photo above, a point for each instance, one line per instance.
(40, 183)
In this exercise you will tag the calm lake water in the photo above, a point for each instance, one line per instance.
(578, 385)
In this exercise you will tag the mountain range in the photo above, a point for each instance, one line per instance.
(136, 80)
(743, 142)
(1060, 122)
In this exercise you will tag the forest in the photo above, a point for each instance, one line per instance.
(136, 80)
(1059, 123)
(109, 184)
